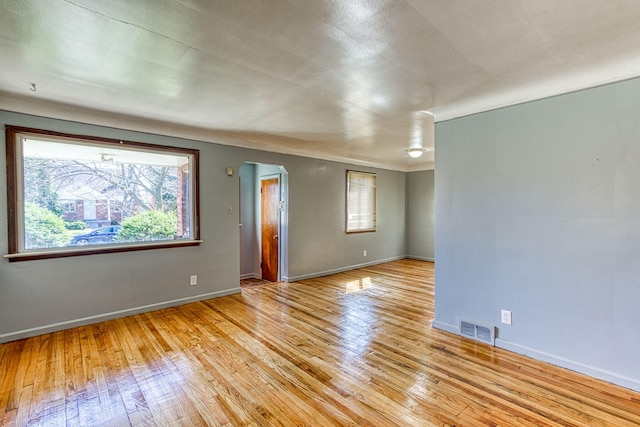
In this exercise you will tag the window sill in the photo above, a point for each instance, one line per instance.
(102, 249)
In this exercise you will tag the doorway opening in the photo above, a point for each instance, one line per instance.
(263, 223)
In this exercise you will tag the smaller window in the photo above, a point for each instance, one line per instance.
(68, 205)
(361, 202)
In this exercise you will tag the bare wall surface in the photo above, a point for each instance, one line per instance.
(420, 215)
(538, 212)
(317, 219)
(248, 240)
(43, 295)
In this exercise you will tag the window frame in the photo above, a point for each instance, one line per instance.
(68, 203)
(15, 197)
(373, 228)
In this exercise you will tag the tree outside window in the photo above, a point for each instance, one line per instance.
(85, 183)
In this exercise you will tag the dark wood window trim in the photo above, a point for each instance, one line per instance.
(14, 198)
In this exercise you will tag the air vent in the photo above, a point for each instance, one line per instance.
(478, 332)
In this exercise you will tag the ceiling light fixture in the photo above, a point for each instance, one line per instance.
(421, 132)
(415, 152)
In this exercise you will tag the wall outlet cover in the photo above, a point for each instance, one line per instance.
(505, 317)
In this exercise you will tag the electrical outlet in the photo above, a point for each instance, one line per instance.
(364, 253)
(193, 281)
(506, 317)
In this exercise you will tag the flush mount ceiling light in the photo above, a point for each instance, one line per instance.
(415, 152)
(421, 132)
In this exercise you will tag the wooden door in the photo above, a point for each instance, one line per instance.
(270, 192)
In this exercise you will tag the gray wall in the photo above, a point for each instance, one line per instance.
(248, 242)
(317, 219)
(538, 212)
(44, 295)
(420, 215)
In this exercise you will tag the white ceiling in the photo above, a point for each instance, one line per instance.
(347, 80)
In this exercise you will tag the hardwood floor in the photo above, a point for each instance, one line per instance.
(248, 283)
(354, 348)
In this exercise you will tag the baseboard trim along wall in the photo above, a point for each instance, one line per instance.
(591, 371)
(54, 327)
(454, 329)
(601, 374)
(421, 258)
(338, 270)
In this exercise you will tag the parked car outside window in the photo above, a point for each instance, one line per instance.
(100, 235)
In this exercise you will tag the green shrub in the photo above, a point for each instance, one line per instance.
(75, 225)
(149, 225)
(43, 228)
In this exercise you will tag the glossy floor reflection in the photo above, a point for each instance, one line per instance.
(353, 349)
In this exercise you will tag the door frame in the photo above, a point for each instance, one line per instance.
(250, 235)
(280, 212)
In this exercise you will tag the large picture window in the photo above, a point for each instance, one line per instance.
(73, 195)
(361, 202)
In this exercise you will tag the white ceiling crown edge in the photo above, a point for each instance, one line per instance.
(547, 88)
(53, 110)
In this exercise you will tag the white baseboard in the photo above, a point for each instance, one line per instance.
(421, 258)
(54, 327)
(250, 276)
(338, 270)
(602, 374)
(454, 329)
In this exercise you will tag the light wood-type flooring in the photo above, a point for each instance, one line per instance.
(355, 348)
